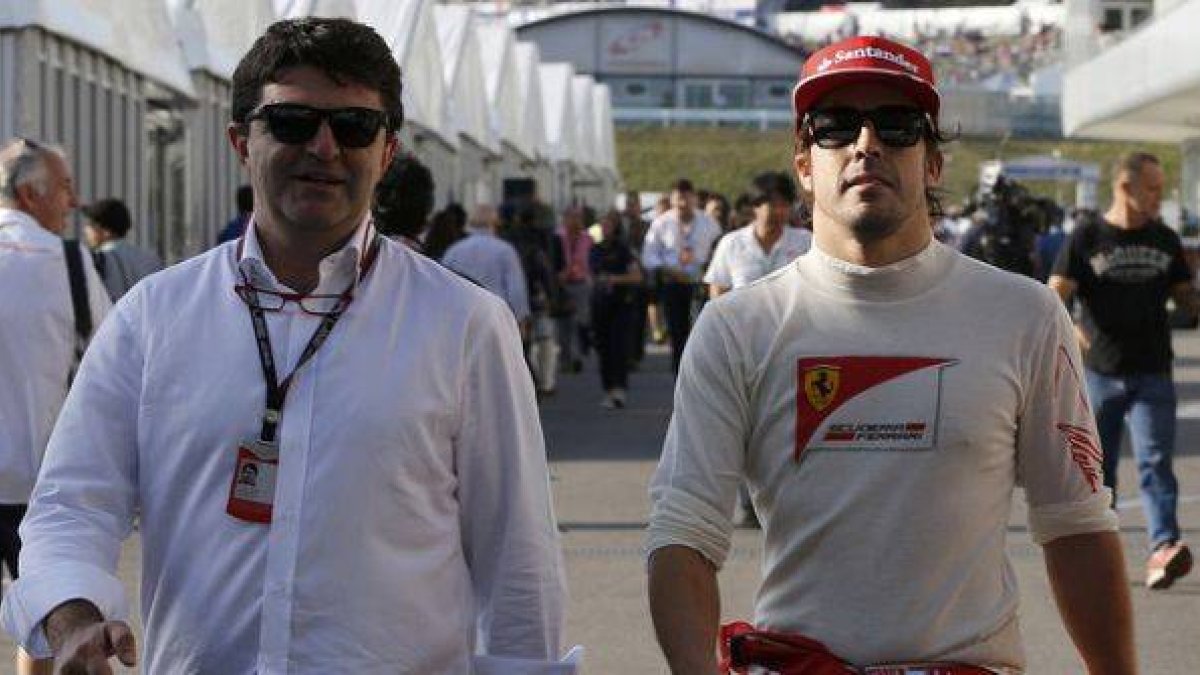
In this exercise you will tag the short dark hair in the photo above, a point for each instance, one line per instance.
(404, 197)
(110, 215)
(244, 199)
(770, 185)
(1131, 163)
(342, 49)
(682, 185)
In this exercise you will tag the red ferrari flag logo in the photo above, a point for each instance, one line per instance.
(821, 385)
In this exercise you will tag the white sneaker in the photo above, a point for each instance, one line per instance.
(618, 397)
(608, 402)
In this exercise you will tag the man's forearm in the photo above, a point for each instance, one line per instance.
(67, 618)
(686, 608)
(1087, 572)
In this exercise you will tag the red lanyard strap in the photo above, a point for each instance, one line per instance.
(277, 391)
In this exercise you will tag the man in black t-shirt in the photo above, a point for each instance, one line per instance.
(1123, 267)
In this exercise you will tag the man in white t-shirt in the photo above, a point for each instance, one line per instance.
(766, 244)
(882, 396)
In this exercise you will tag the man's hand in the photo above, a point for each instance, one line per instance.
(83, 642)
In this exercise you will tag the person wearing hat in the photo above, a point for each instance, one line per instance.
(883, 396)
(120, 263)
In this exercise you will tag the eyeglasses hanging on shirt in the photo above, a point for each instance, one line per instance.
(253, 500)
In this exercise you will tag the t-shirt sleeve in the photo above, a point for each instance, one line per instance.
(1179, 269)
(1058, 451)
(718, 270)
(695, 486)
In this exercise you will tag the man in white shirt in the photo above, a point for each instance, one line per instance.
(766, 244)
(674, 253)
(399, 520)
(491, 262)
(121, 264)
(882, 396)
(39, 340)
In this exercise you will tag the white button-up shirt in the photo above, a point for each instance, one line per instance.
(37, 344)
(740, 259)
(494, 264)
(412, 524)
(668, 237)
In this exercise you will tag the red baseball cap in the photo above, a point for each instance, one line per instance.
(866, 59)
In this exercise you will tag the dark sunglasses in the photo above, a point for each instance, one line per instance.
(297, 124)
(896, 126)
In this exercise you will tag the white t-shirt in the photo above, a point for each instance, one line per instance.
(882, 418)
(739, 259)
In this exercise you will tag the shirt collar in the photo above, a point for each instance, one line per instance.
(337, 270)
(29, 227)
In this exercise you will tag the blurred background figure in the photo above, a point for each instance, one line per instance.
(403, 201)
(448, 226)
(616, 276)
(237, 225)
(120, 263)
(541, 257)
(491, 262)
(575, 321)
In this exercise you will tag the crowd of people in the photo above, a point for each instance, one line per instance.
(325, 429)
(973, 57)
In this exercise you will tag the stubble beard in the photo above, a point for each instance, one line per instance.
(869, 228)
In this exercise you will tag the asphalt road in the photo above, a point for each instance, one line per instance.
(601, 462)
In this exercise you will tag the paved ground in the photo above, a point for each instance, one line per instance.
(601, 463)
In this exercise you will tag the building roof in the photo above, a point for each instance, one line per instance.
(215, 34)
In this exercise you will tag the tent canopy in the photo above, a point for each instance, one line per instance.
(559, 109)
(468, 111)
(215, 34)
(529, 88)
(136, 33)
(500, 70)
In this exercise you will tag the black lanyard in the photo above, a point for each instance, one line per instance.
(277, 391)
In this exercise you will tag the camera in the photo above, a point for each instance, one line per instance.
(1006, 222)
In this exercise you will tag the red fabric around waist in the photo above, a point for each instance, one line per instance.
(743, 647)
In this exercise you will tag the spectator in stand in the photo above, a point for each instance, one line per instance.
(120, 263)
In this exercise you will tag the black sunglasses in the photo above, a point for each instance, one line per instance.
(296, 124)
(897, 126)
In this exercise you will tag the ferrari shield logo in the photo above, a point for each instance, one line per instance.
(821, 385)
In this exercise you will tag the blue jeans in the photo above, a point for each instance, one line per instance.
(1148, 402)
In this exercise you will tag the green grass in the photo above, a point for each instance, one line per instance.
(724, 160)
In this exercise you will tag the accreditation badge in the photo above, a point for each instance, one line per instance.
(252, 489)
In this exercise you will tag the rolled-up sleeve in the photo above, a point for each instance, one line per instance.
(695, 487)
(510, 538)
(83, 503)
(1058, 451)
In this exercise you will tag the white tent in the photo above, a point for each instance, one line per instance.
(467, 106)
(606, 160)
(409, 29)
(559, 108)
(587, 156)
(500, 69)
(215, 34)
(106, 80)
(342, 9)
(533, 120)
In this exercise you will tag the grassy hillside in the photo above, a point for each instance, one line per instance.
(725, 159)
